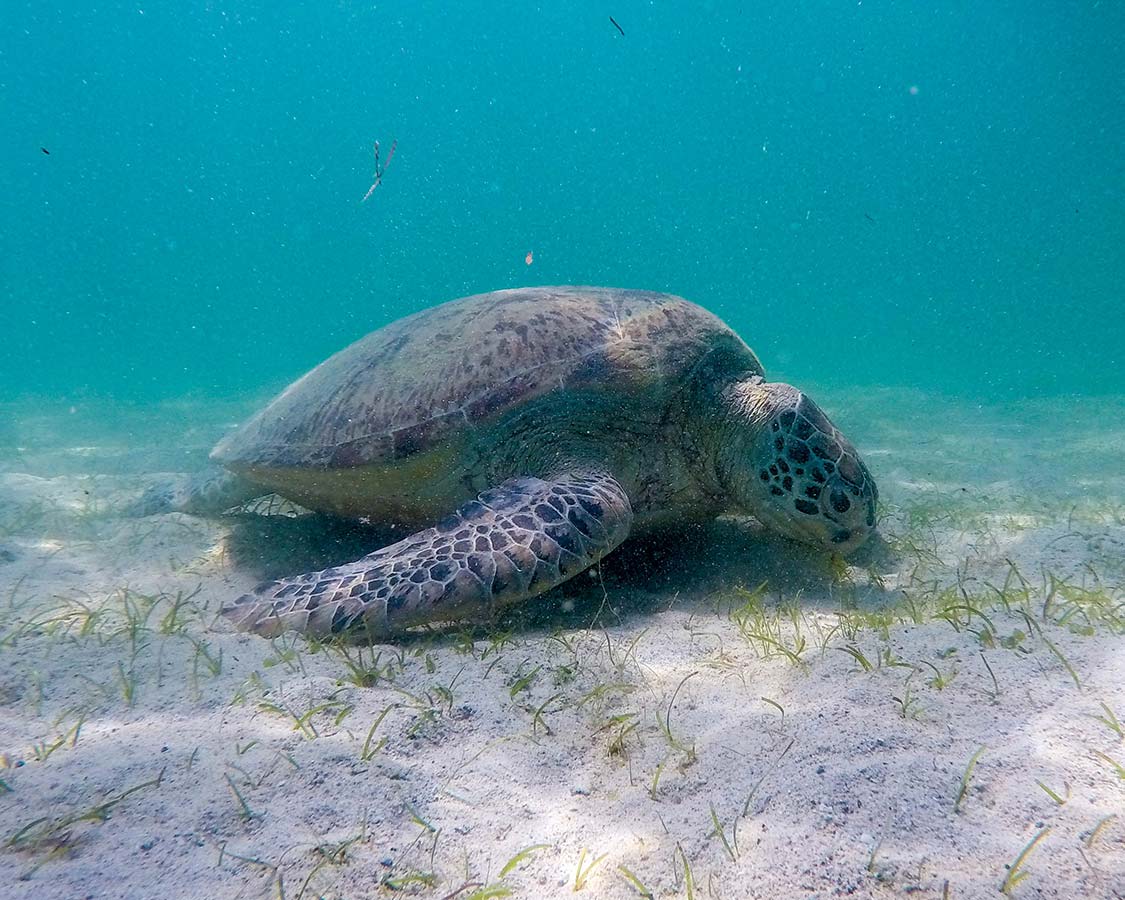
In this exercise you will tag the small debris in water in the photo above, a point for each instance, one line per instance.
(618, 27)
(380, 170)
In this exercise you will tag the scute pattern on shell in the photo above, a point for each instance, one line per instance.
(425, 377)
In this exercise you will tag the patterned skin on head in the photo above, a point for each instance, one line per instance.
(806, 479)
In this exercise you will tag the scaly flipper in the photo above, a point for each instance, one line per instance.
(510, 544)
(207, 492)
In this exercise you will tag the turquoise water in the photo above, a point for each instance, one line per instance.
(919, 195)
(916, 211)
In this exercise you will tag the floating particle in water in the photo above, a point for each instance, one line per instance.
(529, 259)
(380, 169)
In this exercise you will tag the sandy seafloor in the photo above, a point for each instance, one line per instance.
(648, 730)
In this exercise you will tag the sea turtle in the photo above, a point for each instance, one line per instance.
(556, 421)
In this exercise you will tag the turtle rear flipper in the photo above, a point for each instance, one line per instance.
(510, 544)
(209, 492)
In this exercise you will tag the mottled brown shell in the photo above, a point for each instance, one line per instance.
(428, 377)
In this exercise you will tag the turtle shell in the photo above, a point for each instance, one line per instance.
(423, 380)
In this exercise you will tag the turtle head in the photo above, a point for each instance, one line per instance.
(785, 463)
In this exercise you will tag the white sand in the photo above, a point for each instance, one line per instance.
(617, 747)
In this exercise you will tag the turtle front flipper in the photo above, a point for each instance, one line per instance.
(510, 544)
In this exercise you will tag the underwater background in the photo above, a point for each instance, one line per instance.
(928, 196)
(914, 211)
